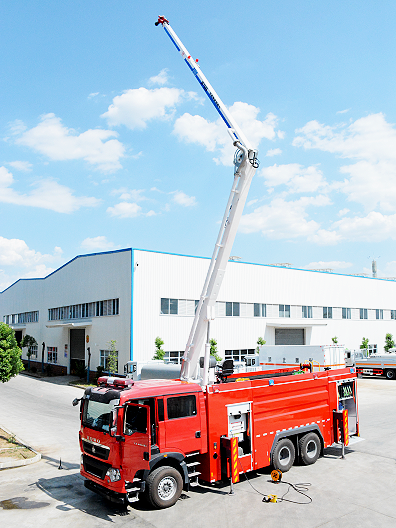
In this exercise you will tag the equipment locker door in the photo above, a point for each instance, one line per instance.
(136, 448)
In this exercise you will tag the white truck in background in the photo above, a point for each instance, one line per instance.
(322, 357)
(378, 365)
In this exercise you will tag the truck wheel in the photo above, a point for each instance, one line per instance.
(164, 487)
(309, 446)
(283, 455)
(390, 374)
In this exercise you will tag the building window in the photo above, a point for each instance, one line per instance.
(169, 306)
(52, 355)
(379, 314)
(393, 314)
(104, 359)
(174, 356)
(22, 318)
(372, 349)
(363, 313)
(238, 355)
(327, 312)
(82, 311)
(260, 310)
(346, 313)
(284, 310)
(33, 351)
(232, 309)
(307, 312)
(181, 407)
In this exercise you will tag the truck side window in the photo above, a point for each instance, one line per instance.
(181, 406)
(160, 406)
(135, 420)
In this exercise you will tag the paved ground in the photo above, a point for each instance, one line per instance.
(356, 491)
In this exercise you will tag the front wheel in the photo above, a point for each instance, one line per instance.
(283, 455)
(309, 446)
(164, 487)
(390, 374)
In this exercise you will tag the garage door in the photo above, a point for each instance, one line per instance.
(289, 336)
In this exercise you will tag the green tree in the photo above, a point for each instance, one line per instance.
(29, 342)
(159, 353)
(365, 342)
(112, 361)
(260, 341)
(389, 343)
(10, 354)
(335, 340)
(213, 349)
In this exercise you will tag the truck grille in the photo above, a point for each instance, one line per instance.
(95, 467)
(96, 450)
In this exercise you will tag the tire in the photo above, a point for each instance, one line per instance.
(310, 447)
(390, 374)
(283, 455)
(164, 487)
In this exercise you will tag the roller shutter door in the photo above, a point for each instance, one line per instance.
(289, 336)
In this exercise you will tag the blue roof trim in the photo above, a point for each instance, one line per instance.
(191, 256)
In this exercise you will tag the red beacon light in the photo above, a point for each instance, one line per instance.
(117, 383)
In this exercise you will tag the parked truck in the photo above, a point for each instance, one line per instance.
(321, 356)
(378, 365)
(156, 437)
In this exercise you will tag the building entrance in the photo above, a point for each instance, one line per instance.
(77, 351)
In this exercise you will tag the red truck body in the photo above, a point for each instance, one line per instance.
(159, 424)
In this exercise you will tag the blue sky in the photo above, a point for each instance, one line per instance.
(107, 140)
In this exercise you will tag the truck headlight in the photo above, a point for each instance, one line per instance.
(113, 474)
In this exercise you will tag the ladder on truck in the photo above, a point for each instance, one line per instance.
(245, 165)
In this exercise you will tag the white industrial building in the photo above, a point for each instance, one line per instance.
(131, 296)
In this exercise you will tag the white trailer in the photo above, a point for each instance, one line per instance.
(378, 365)
(285, 356)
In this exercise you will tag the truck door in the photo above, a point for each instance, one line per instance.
(182, 424)
(137, 446)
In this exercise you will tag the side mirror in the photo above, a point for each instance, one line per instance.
(113, 422)
(75, 401)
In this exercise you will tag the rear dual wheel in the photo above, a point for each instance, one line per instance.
(309, 447)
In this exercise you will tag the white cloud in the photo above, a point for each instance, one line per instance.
(283, 219)
(45, 193)
(51, 138)
(214, 137)
(20, 261)
(125, 210)
(183, 199)
(299, 179)
(137, 106)
(136, 195)
(343, 111)
(17, 127)
(370, 140)
(161, 78)
(99, 243)
(343, 212)
(273, 152)
(375, 227)
(333, 264)
(23, 166)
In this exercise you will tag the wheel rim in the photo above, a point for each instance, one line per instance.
(312, 449)
(167, 488)
(284, 456)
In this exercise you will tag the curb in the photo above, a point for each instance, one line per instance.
(19, 463)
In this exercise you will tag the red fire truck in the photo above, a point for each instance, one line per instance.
(157, 437)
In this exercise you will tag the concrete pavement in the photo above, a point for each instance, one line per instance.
(356, 491)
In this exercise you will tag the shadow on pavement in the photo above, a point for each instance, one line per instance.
(70, 492)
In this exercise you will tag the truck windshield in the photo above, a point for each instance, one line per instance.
(97, 415)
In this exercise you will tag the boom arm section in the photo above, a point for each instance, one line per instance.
(246, 163)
